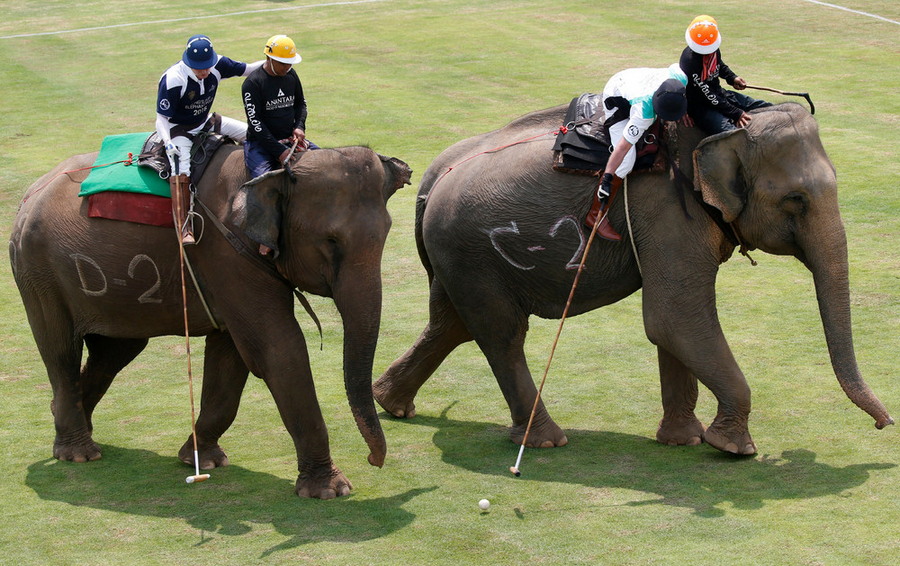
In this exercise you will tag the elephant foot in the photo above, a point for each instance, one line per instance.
(210, 456)
(327, 485)
(730, 439)
(79, 453)
(544, 434)
(680, 431)
(391, 401)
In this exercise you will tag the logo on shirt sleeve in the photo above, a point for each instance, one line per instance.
(164, 104)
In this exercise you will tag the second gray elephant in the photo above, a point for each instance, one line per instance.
(500, 235)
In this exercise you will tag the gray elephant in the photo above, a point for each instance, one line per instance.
(500, 234)
(111, 285)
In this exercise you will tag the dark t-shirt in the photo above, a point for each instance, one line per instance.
(703, 88)
(275, 106)
(186, 100)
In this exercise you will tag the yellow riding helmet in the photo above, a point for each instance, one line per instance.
(282, 48)
(703, 36)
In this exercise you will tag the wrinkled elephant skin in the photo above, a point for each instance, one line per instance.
(111, 285)
(500, 235)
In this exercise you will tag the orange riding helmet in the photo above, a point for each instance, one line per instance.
(703, 35)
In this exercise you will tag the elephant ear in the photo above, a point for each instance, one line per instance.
(256, 209)
(719, 171)
(396, 174)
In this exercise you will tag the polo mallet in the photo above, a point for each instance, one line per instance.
(812, 107)
(515, 469)
(197, 477)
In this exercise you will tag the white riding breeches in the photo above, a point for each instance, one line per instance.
(616, 132)
(234, 129)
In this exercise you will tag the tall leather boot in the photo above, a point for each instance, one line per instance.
(599, 208)
(180, 189)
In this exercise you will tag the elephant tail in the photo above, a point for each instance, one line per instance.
(421, 202)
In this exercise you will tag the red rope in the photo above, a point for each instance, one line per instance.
(128, 161)
(560, 130)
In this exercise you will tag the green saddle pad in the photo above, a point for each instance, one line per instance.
(108, 175)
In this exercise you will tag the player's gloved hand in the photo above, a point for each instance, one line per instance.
(172, 150)
(605, 186)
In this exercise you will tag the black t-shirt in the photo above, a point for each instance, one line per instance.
(275, 106)
(703, 87)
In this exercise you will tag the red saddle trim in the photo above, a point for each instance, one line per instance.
(131, 207)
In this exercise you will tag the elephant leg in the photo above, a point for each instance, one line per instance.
(679, 426)
(106, 358)
(500, 333)
(511, 371)
(61, 350)
(224, 378)
(288, 376)
(295, 398)
(729, 431)
(396, 389)
(697, 342)
(715, 367)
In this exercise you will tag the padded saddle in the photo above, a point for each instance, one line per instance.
(583, 147)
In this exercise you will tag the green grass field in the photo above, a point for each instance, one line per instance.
(409, 78)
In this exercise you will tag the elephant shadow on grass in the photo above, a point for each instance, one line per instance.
(699, 478)
(140, 482)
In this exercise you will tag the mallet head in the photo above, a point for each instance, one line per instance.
(196, 479)
(515, 471)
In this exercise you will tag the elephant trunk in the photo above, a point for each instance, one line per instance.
(828, 265)
(360, 307)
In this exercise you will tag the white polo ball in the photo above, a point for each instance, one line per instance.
(484, 504)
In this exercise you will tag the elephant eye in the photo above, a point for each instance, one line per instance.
(334, 245)
(794, 203)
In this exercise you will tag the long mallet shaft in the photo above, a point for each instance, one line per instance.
(197, 477)
(515, 469)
